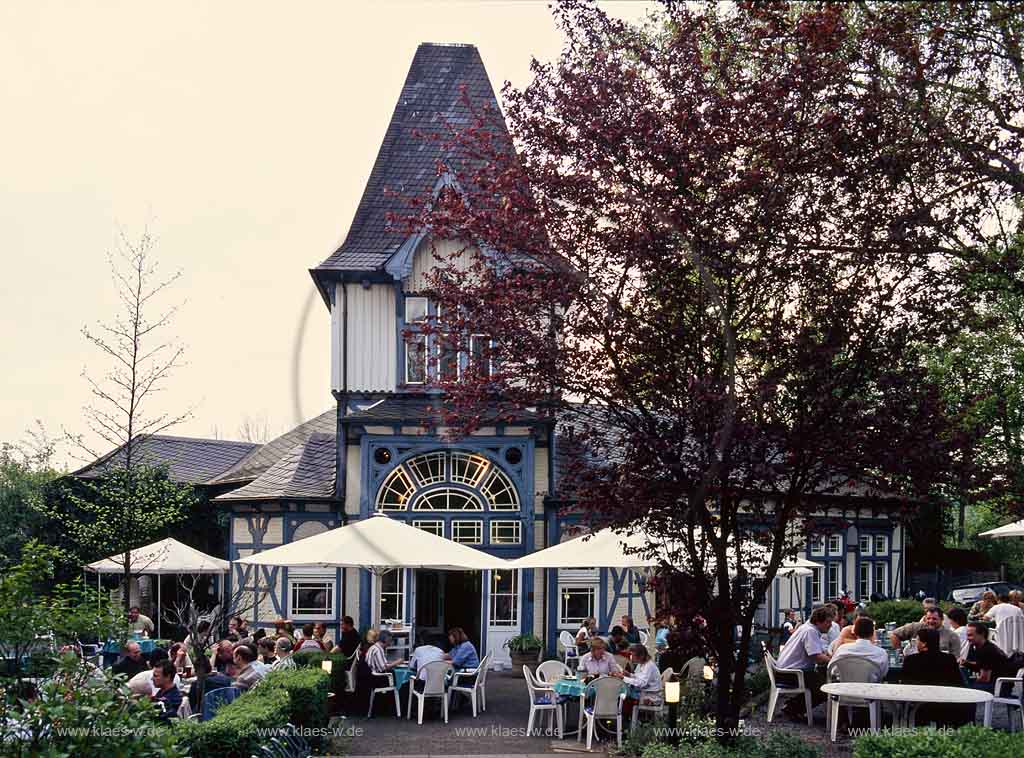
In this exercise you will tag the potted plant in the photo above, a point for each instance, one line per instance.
(524, 650)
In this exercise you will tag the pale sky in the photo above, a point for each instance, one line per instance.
(241, 134)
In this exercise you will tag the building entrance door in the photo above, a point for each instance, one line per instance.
(445, 599)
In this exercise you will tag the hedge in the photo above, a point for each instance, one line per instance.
(339, 666)
(900, 611)
(939, 743)
(774, 745)
(298, 696)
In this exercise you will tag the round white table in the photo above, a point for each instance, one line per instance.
(906, 694)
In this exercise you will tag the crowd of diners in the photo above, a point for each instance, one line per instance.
(951, 649)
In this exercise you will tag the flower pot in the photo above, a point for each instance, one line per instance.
(527, 658)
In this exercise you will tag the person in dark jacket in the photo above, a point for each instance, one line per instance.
(214, 680)
(133, 661)
(933, 667)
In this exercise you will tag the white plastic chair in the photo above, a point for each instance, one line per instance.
(643, 637)
(433, 686)
(608, 694)
(1015, 698)
(776, 690)
(851, 668)
(1011, 634)
(476, 690)
(550, 672)
(542, 699)
(569, 651)
(655, 707)
(384, 690)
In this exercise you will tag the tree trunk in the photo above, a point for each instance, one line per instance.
(126, 583)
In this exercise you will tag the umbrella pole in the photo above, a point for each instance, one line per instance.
(159, 606)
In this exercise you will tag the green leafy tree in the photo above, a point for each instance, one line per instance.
(26, 470)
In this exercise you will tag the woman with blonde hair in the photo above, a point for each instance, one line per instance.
(983, 606)
(586, 632)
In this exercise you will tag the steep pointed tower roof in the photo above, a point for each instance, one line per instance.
(407, 163)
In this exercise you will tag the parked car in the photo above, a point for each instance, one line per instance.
(971, 593)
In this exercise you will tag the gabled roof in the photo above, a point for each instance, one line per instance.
(189, 460)
(261, 459)
(406, 163)
(306, 471)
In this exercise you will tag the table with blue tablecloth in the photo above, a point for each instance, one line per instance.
(402, 675)
(573, 688)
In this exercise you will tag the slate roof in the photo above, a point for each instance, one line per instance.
(189, 460)
(261, 459)
(406, 163)
(306, 471)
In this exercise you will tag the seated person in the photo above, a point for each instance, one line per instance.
(661, 636)
(211, 681)
(1003, 609)
(788, 626)
(586, 631)
(617, 641)
(142, 683)
(645, 679)
(847, 633)
(308, 641)
(804, 651)
(179, 657)
(948, 641)
(864, 646)
(133, 661)
(266, 650)
(629, 630)
(931, 666)
(222, 659)
(958, 623)
(423, 655)
(320, 633)
(463, 653)
(246, 675)
(165, 689)
(985, 659)
(348, 640)
(983, 606)
(283, 650)
(598, 661)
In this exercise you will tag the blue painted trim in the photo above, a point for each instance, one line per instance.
(552, 592)
(364, 599)
(603, 611)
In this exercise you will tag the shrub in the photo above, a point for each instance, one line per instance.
(232, 733)
(307, 691)
(899, 611)
(315, 658)
(82, 715)
(939, 743)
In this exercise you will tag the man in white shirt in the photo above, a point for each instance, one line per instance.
(804, 651)
(598, 661)
(1002, 610)
(864, 646)
(958, 623)
(423, 655)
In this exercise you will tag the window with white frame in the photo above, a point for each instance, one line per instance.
(865, 544)
(881, 578)
(480, 353)
(833, 581)
(577, 604)
(506, 533)
(448, 363)
(817, 545)
(816, 585)
(311, 598)
(881, 544)
(864, 582)
(392, 595)
(468, 532)
(504, 598)
(416, 359)
(835, 544)
(447, 499)
(434, 527)
(416, 310)
(412, 484)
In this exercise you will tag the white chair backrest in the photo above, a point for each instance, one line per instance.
(551, 671)
(769, 663)
(485, 666)
(435, 671)
(854, 668)
(567, 641)
(185, 709)
(532, 685)
(606, 691)
(644, 637)
(667, 674)
(1010, 634)
(693, 669)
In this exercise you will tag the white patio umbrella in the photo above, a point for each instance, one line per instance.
(606, 548)
(378, 544)
(1016, 529)
(168, 556)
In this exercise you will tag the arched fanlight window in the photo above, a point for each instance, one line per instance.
(414, 485)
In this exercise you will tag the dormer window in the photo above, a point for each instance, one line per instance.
(416, 359)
